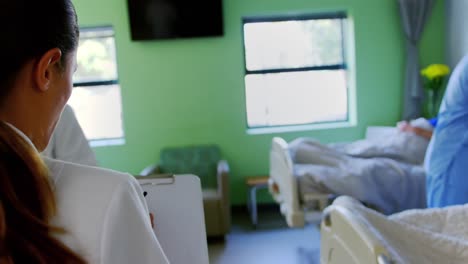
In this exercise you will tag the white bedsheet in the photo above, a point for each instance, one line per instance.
(397, 145)
(418, 236)
(382, 174)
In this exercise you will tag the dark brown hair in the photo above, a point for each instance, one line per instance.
(29, 29)
(27, 202)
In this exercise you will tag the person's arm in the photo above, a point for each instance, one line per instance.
(422, 132)
(127, 233)
(406, 127)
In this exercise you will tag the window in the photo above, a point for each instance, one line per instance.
(96, 97)
(295, 70)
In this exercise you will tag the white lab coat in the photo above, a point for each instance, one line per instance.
(104, 213)
(68, 142)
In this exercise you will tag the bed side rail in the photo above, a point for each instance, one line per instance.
(345, 238)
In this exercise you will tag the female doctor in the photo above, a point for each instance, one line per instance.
(53, 211)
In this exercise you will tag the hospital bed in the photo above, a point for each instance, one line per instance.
(299, 206)
(345, 238)
(353, 233)
(284, 187)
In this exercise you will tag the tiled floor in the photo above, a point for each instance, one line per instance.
(271, 243)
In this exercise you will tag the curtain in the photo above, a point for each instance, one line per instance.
(414, 14)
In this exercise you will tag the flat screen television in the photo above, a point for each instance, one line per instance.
(169, 19)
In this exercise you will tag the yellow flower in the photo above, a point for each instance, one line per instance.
(435, 71)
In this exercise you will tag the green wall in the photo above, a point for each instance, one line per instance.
(181, 92)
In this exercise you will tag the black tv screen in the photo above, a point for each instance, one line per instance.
(168, 19)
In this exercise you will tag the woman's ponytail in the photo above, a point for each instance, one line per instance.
(27, 204)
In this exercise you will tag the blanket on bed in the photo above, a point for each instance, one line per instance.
(381, 174)
(436, 235)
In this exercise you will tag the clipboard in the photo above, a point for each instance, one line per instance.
(176, 202)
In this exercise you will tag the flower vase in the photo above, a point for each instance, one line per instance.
(431, 104)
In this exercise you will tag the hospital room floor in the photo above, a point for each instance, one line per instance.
(271, 242)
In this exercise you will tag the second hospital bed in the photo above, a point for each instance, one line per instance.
(384, 170)
(353, 233)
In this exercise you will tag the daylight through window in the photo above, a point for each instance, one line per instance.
(295, 70)
(96, 98)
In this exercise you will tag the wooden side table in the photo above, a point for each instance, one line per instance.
(253, 184)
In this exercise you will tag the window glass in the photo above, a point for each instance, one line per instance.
(96, 60)
(296, 98)
(96, 98)
(293, 44)
(99, 111)
(295, 71)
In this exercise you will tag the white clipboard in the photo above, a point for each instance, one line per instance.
(177, 204)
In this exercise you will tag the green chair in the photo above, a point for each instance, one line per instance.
(205, 162)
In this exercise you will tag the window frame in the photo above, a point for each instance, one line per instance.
(110, 141)
(344, 18)
(104, 82)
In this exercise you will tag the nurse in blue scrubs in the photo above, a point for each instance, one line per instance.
(446, 160)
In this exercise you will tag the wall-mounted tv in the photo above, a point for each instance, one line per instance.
(169, 19)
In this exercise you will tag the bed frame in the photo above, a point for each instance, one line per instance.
(346, 239)
(283, 183)
(283, 187)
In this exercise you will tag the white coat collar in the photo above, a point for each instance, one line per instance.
(21, 134)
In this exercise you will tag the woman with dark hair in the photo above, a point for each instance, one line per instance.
(53, 211)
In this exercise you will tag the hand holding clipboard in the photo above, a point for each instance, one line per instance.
(177, 205)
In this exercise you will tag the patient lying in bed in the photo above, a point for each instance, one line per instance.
(385, 171)
(401, 143)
